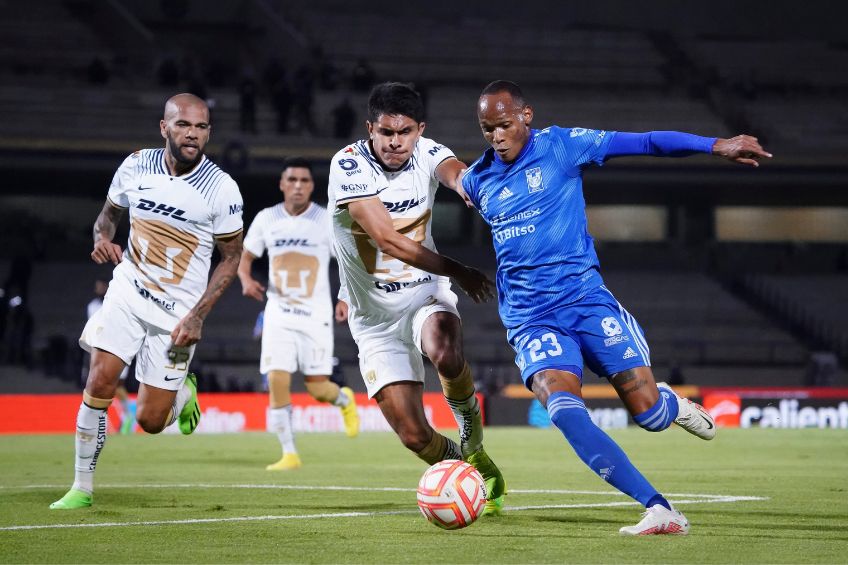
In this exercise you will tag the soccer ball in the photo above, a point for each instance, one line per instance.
(451, 494)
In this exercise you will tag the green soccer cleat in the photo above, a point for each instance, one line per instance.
(495, 484)
(190, 414)
(73, 499)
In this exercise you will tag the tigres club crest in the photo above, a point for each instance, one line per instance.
(534, 179)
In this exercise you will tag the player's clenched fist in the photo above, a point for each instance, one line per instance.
(106, 252)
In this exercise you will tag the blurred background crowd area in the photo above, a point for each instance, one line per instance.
(739, 276)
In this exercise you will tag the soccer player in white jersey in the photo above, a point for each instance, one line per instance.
(297, 329)
(381, 195)
(181, 206)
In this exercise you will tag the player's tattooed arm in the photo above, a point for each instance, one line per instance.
(188, 331)
(104, 230)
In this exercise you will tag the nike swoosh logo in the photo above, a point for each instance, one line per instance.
(707, 420)
(171, 378)
(145, 187)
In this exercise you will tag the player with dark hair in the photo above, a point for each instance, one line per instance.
(181, 207)
(381, 196)
(297, 326)
(552, 299)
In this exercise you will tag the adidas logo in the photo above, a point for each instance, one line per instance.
(629, 353)
(505, 193)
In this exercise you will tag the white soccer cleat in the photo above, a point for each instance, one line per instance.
(692, 417)
(658, 520)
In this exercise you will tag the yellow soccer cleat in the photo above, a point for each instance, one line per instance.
(349, 413)
(289, 462)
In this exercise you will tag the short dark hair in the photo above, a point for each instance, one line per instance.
(298, 162)
(395, 98)
(498, 86)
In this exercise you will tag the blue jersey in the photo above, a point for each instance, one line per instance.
(535, 208)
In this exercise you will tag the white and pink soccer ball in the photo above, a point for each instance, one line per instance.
(451, 494)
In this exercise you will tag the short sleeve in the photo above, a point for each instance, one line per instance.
(227, 210)
(354, 177)
(122, 181)
(434, 154)
(254, 241)
(582, 146)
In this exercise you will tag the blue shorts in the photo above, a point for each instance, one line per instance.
(595, 330)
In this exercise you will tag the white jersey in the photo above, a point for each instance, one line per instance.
(93, 306)
(373, 279)
(299, 251)
(174, 221)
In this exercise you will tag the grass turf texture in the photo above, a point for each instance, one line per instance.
(801, 473)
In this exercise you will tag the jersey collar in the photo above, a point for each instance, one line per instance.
(186, 174)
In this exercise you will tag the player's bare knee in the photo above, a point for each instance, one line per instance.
(449, 361)
(415, 438)
(151, 421)
(102, 381)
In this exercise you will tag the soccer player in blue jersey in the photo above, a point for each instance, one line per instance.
(552, 299)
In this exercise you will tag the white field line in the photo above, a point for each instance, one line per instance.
(349, 488)
(693, 499)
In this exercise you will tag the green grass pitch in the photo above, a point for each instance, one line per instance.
(752, 496)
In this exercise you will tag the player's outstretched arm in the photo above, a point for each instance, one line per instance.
(742, 149)
(373, 217)
(104, 230)
(188, 330)
(249, 286)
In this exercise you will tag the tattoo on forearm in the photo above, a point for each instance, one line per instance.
(222, 276)
(107, 222)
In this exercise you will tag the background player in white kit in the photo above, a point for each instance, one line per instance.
(181, 206)
(381, 194)
(297, 329)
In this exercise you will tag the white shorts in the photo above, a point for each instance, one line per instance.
(114, 328)
(309, 348)
(390, 350)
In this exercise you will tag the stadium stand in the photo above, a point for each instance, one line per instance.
(727, 312)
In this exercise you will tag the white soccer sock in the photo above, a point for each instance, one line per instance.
(183, 396)
(279, 422)
(90, 437)
(341, 400)
(467, 415)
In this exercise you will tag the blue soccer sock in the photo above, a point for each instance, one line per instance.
(659, 416)
(597, 450)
